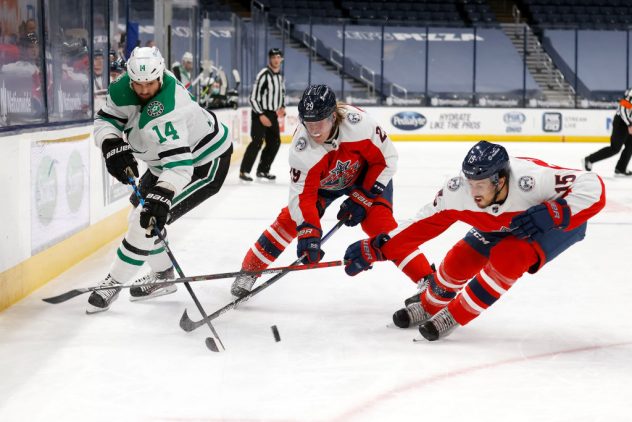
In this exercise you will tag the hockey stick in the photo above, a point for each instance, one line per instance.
(210, 342)
(189, 325)
(76, 292)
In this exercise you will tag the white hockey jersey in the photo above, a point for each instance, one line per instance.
(171, 133)
(531, 182)
(359, 147)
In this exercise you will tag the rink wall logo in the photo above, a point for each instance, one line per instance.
(408, 120)
(552, 122)
(514, 121)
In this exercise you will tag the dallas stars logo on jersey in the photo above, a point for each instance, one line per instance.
(155, 108)
(341, 176)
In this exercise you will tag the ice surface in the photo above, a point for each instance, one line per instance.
(556, 347)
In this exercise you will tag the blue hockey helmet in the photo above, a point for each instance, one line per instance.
(317, 103)
(486, 160)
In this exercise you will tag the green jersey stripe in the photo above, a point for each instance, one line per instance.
(199, 184)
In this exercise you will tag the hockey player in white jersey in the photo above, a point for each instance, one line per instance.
(151, 117)
(337, 151)
(524, 213)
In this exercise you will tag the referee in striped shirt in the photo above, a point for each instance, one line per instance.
(267, 101)
(621, 137)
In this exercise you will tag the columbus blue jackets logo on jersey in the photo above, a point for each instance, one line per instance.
(526, 183)
(454, 183)
(341, 176)
(354, 118)
(301, 143)
(155, 109)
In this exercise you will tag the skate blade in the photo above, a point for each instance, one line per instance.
(157, 293)
(91, 309)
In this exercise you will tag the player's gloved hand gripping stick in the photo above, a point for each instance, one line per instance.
(210, 342)
(189, 325)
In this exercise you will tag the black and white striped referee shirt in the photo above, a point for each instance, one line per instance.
(268, 94)
(625, 107)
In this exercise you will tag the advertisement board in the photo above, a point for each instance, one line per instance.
(441, 123)
(60, 189)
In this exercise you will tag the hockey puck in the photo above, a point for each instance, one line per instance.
(275, 333)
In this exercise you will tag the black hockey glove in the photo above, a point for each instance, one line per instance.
(309, 243)
(118, 158)
(156, 209)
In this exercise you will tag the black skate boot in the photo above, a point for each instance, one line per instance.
(266, 176)
(245, 177)
(439, 326)
(100, 300)
(421, 286)
(412, 315)
(146, 288)
(242, 285)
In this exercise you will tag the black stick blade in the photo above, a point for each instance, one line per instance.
(210, 344)
(186, 323)
(64, 296)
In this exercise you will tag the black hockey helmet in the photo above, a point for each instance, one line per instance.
(117, 66)
(275, 52)
(317, 103)
(486, 160)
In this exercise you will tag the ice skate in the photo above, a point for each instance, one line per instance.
(622, 173)
(587, 164)
(147, 290)
(242, 285)
(100, 300)
(422, 285)
(245, 177)
(439, 326)
(412, 315)
(266, 176)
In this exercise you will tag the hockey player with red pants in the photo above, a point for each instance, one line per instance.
(338, 150)
(524, 213)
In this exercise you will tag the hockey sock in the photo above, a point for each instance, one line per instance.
(270, 245)
(508, 260)
(133, 251)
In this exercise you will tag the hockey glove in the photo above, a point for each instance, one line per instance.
(355, 208)
(541, 218)
(309, 243)
(362, 254)
(156, 209)
(118, 158)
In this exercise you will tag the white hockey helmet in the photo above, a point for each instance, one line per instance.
(187, 57)
(146, 64)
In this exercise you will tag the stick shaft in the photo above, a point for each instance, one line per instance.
(188, 325)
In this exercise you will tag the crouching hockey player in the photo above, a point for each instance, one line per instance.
(336, 151)
(524, 213)
(150, 116)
